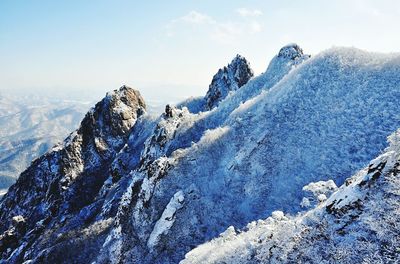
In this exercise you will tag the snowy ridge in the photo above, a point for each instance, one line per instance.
(232, 172)
(347, 228)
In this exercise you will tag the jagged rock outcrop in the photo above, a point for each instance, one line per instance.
(227, 79)
(69, 177)
(11, 238)
(291, 51)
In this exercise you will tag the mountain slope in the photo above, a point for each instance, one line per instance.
(357, 224)
(174, 182)
(325, 119)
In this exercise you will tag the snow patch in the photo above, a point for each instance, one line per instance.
(212, 135)
(167, 219)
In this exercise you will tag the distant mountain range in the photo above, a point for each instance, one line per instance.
(29, 127)
(290, 166)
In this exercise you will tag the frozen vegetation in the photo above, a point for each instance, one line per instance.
(359, 223)
(246, 174)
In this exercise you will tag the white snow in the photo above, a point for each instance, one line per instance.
(300, 123)
(306, 237)
(167, 219)
(212, 135)
(320, 187)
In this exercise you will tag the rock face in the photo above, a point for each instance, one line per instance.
(227, 79)
(291, 51)
(69, 177)
(131, 188)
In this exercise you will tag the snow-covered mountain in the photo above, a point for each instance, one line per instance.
(30, 127)
(128, 187)
(359, 223)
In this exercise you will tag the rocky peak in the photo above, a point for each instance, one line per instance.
(229, 78)
(106, 126)
(289, 56)
(125, 104)
(69, 177)
(116, 113)
(291, 51)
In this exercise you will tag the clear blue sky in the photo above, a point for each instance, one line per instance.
(172, 47)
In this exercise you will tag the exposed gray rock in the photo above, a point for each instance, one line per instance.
(67, 179)
(227, 79)
(291, 51)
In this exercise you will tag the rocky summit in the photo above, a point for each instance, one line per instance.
(69, 177)
(227, 79)
(268, 168)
